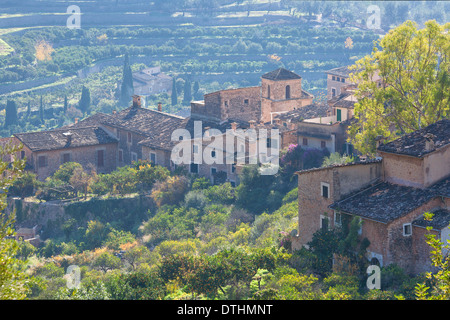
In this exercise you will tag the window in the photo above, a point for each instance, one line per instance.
(343, 80)
(323, 144)
(133, 156)
(333, 78)
(288, 92)
(194, 168)
(268, 92)
(42, 161)
(338, 79)
(213, 154)
(153, 157)
(333, 92)
(305, 141)
(129, 137)
(226, 103)
(323, 222)
(269, 143)
(337, 219)
(22, 154)
(407, 229)
(120, 155)
(233, 168)
(338, 115)
(246, 101)
(66, 157)
(325, 189)
(213, 171)
(100, 158)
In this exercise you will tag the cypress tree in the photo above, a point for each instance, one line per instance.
(196, 89)
(41, 111)
(187, 98)
(85, 100)
(126, 90)
(65, 104)
(174, 92)
(28, 110)
(11, 117)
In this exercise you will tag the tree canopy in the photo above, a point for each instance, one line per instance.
(414, 89)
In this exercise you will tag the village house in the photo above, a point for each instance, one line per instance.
(322, 125)
(106, 141)
(151, 81)
(280, 91)
(389, 195)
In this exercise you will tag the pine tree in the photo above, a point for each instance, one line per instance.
(174, 92)
(11, 117)
(126, 90)
(85, 100)
(187, 98)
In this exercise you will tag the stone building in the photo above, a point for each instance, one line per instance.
(280, 91)
(323, 126)
(389, 195)
(150, 81)
(91, 146)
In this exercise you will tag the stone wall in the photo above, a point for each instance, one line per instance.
(240, 104)
(50, 216)
(414, 171)
(341, 181)
(86, 156)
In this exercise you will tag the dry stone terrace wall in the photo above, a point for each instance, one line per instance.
(51, 215)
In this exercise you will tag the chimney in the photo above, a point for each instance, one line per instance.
(76, 120)
(429, 141)
(159, 107)
(252, 124)
(136, 101)
(68, 136)
(114, 112)
(379, 140)
(233, 126)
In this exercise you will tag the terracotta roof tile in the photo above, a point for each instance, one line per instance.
(59, 139)
(386, 202)
(414, 144)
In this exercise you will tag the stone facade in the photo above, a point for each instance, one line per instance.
(389, 195)
(280, 92)
(319, 188)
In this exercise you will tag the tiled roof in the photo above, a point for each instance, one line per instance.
(341, 71)
(440, 220)
(413, 144)
(386, 202)
(139, 120)
(280, 74)
(161, 139)
(58, 139)
(310, 111)
(344, 100)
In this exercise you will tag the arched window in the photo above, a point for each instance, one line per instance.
(268, 92)
(288, 92)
